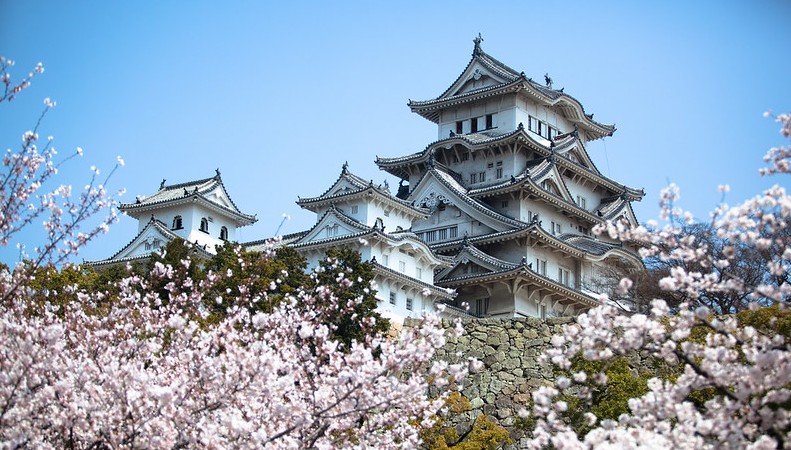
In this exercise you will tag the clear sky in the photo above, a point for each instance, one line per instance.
(277, 95)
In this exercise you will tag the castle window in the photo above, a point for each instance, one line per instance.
(489, 121)
(489, 165)
(355, 208)
(541, 266)
(581, 202)
(402, 266)
(409, 304)
(482, 177)
(563, 276)
(474, 125)
(473, 178)
(385, 260)
(204, 225)
(454, 231)
(418, 273)
(465, 156)
(556, 228)
(224, 234)
(498, 173)
(542, 311)
(459, 127)
(481, 305)
(504, 204)
(392, 298)
(148, 246)
(443, 234)
(177, 224)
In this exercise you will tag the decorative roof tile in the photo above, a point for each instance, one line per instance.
(186, 192)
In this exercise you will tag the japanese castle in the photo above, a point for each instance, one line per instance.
(493, 219)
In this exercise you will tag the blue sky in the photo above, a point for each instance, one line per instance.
(279, 94)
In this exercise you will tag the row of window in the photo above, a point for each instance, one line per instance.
(564, 275)
(480, 177)
(476, 123)
(542, 128)
(178, 224)
(409, 301)
(439, 234)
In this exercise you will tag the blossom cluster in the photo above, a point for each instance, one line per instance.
(740, 373)
(138, 365)
(27, 172)
(146, 372)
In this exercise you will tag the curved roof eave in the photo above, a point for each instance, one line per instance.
(527, 273)
(316, 202)
(570, 106)
(136, 210)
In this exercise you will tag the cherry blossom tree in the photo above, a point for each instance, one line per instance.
(64, 214)
(145, 369)
(731, 383)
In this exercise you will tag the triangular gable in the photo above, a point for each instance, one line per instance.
(217, 194)
(546, 176)
(472, 261)
(474, 77)
(575, 152)
(345, 183)
(333, 224)
(151, 238)
(436, 188)
(616, 209)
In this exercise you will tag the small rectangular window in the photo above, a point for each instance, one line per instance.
(540, 128)
(418, 273)
(409, 304)
(473, 178)
(354, 209)
(498, 173)
(402, 266)
(392, 298)
(542, 311)
(532, 124)
(385, 260)
(489, 121)
(459, 127)
(563, 276)
(489, 165)
(453, 232)
(474, 125)
(541, 266)
(581, 202)
(505, 204)
(482, 176)
(387, 213)
(465, 156)
(499, 163)
(443, 234)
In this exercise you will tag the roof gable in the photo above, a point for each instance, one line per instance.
(210, 191)
(472, 261)
(150, 239)
(438, 187)
(333, 224)
(546, 175)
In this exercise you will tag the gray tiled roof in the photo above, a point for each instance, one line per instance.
(182, 191)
